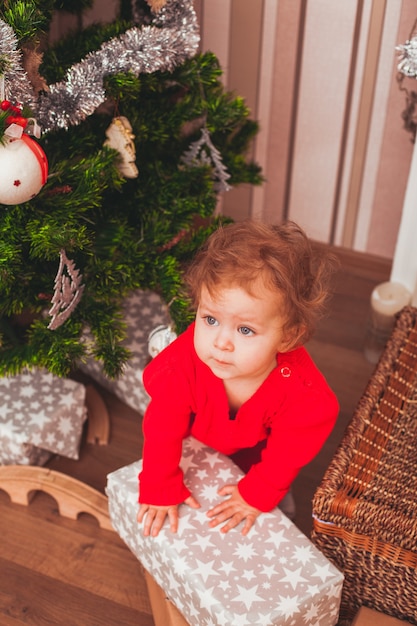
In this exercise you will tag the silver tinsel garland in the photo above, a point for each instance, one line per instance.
(16, 81)
(171, 38)
(169, 41)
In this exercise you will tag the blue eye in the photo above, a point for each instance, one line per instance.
(244, 330)
(211, 321)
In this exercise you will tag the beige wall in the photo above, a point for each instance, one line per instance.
(332, 144)
(320, 76)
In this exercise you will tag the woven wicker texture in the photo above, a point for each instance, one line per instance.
(365, 509)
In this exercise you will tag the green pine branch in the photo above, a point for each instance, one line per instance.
(122, 234)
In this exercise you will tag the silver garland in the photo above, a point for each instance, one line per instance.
(169, 41)
(407, 64)
(16, 82)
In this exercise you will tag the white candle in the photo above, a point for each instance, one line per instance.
(387, 299)
(414, 296)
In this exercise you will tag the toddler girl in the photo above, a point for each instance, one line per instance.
(239, 379)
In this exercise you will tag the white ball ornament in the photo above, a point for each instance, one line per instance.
(159, 338)
(23, 169)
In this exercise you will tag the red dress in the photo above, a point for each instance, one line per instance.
(279, 429)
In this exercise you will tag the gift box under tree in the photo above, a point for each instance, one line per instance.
(40, 415)
(144, 311)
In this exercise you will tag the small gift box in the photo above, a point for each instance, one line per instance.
(144, 312)
(272, 576)
(40, 415)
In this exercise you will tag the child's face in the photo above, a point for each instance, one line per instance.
(237, 334)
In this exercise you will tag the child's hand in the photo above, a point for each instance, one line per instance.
(235, 509)
(154, 516)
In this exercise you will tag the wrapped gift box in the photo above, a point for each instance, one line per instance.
(40, 415)
(143, 312)
(273, 576)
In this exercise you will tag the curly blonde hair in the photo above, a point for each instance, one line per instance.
(282, 256)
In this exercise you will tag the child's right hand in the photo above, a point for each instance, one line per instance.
(154, 516)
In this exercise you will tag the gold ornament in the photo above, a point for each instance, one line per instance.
(156, 5)
(120, 137)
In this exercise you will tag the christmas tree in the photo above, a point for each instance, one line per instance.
(137, 138)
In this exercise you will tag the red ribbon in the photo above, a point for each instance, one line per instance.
(39, 154)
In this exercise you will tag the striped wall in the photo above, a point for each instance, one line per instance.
(320, 77)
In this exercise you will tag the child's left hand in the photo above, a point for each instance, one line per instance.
(235, 509)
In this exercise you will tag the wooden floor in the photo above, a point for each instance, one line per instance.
(56, 571)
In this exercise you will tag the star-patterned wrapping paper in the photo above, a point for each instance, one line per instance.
(40, 415)
(273, 576)
(143, 312)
